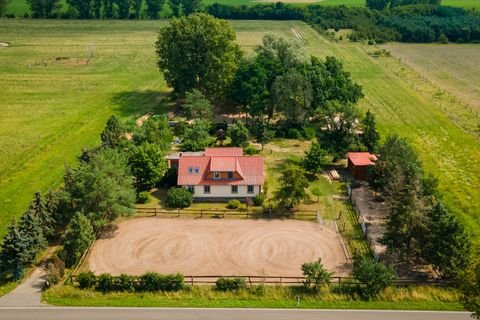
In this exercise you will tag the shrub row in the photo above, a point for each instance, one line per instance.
(149, 282)
(230, 284)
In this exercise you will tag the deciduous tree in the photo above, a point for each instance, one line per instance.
(315, 159)
(197, 137)
(316, 275)
(155, 130)
(198, 52)
(373, 276)
(83, 7)
(239, 135)
(148, 165)
(292, 186)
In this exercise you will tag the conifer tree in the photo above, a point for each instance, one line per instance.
(31, 231)
(12, 254)
(113, 133)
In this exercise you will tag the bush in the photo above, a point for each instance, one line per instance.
(105, 283)
(152, 282)
(55, 270)
(179, 198)
(230, 284)
(259, 199)
(250, 150)
(309, 133)
(143, 197)
(233, 204)
(86, 280)
(124, 282)
(293, 133)
(315, 274)
(373, 276)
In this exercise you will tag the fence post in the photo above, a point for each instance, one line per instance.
(201, 213)
(178, 212)
(192, 280)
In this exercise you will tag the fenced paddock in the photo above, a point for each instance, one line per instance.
(229, 247)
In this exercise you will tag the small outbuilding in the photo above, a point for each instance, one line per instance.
(358, 163)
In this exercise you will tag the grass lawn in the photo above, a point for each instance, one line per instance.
(419, 298)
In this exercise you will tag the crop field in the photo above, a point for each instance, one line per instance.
(54, 102)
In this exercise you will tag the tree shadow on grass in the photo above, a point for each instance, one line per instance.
(137, 103)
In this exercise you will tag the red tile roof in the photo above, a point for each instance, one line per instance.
(361, 158)
(249, 167)
(209, 152)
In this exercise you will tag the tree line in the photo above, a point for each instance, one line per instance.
(109, 9)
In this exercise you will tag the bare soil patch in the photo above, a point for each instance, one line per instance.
(217, 247)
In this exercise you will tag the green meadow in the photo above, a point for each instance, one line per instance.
(61, 80)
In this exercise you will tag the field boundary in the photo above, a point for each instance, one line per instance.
(215, 213)
(295, 281)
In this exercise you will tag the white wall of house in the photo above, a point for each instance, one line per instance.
(225, 192)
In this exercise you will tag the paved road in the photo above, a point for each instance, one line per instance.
(49, 313)
(28, 293)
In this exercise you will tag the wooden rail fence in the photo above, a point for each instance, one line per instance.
(268, 213)
(296, 281)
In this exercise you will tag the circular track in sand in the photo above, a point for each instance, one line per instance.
(216, 247)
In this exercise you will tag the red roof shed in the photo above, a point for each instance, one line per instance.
(358, 162)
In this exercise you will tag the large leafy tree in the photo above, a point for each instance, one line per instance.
(370, 136)
(239, 135)
(292, 94)
(103, 186)
(154, 7)
(292, 188)
(198, 52)
(316, 275)
(251, 88)
(108, 8)
(113, 134)
(330, 82)
(148, 165)
(196, 137)
(97, 9)
(155, 130)
(197, 106)
(447, 245)
(339, 123)
(13, 254)
(78, 236)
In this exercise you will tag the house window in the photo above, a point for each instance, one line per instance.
(230, 175)
(206, 189)
(234, 189)
(191, 189)
(250, 189)
(190, 169)
(216, 175)
(196, 169)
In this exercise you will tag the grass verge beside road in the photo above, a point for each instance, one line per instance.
(409, 298)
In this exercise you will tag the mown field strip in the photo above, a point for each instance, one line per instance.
(445, 149)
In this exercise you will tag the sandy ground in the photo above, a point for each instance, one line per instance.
(216, 247)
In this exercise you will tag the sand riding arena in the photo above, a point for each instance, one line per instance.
(224, 247)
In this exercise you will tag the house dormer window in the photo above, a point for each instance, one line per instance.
(192, 170)
(230, 175)
(216, 175)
